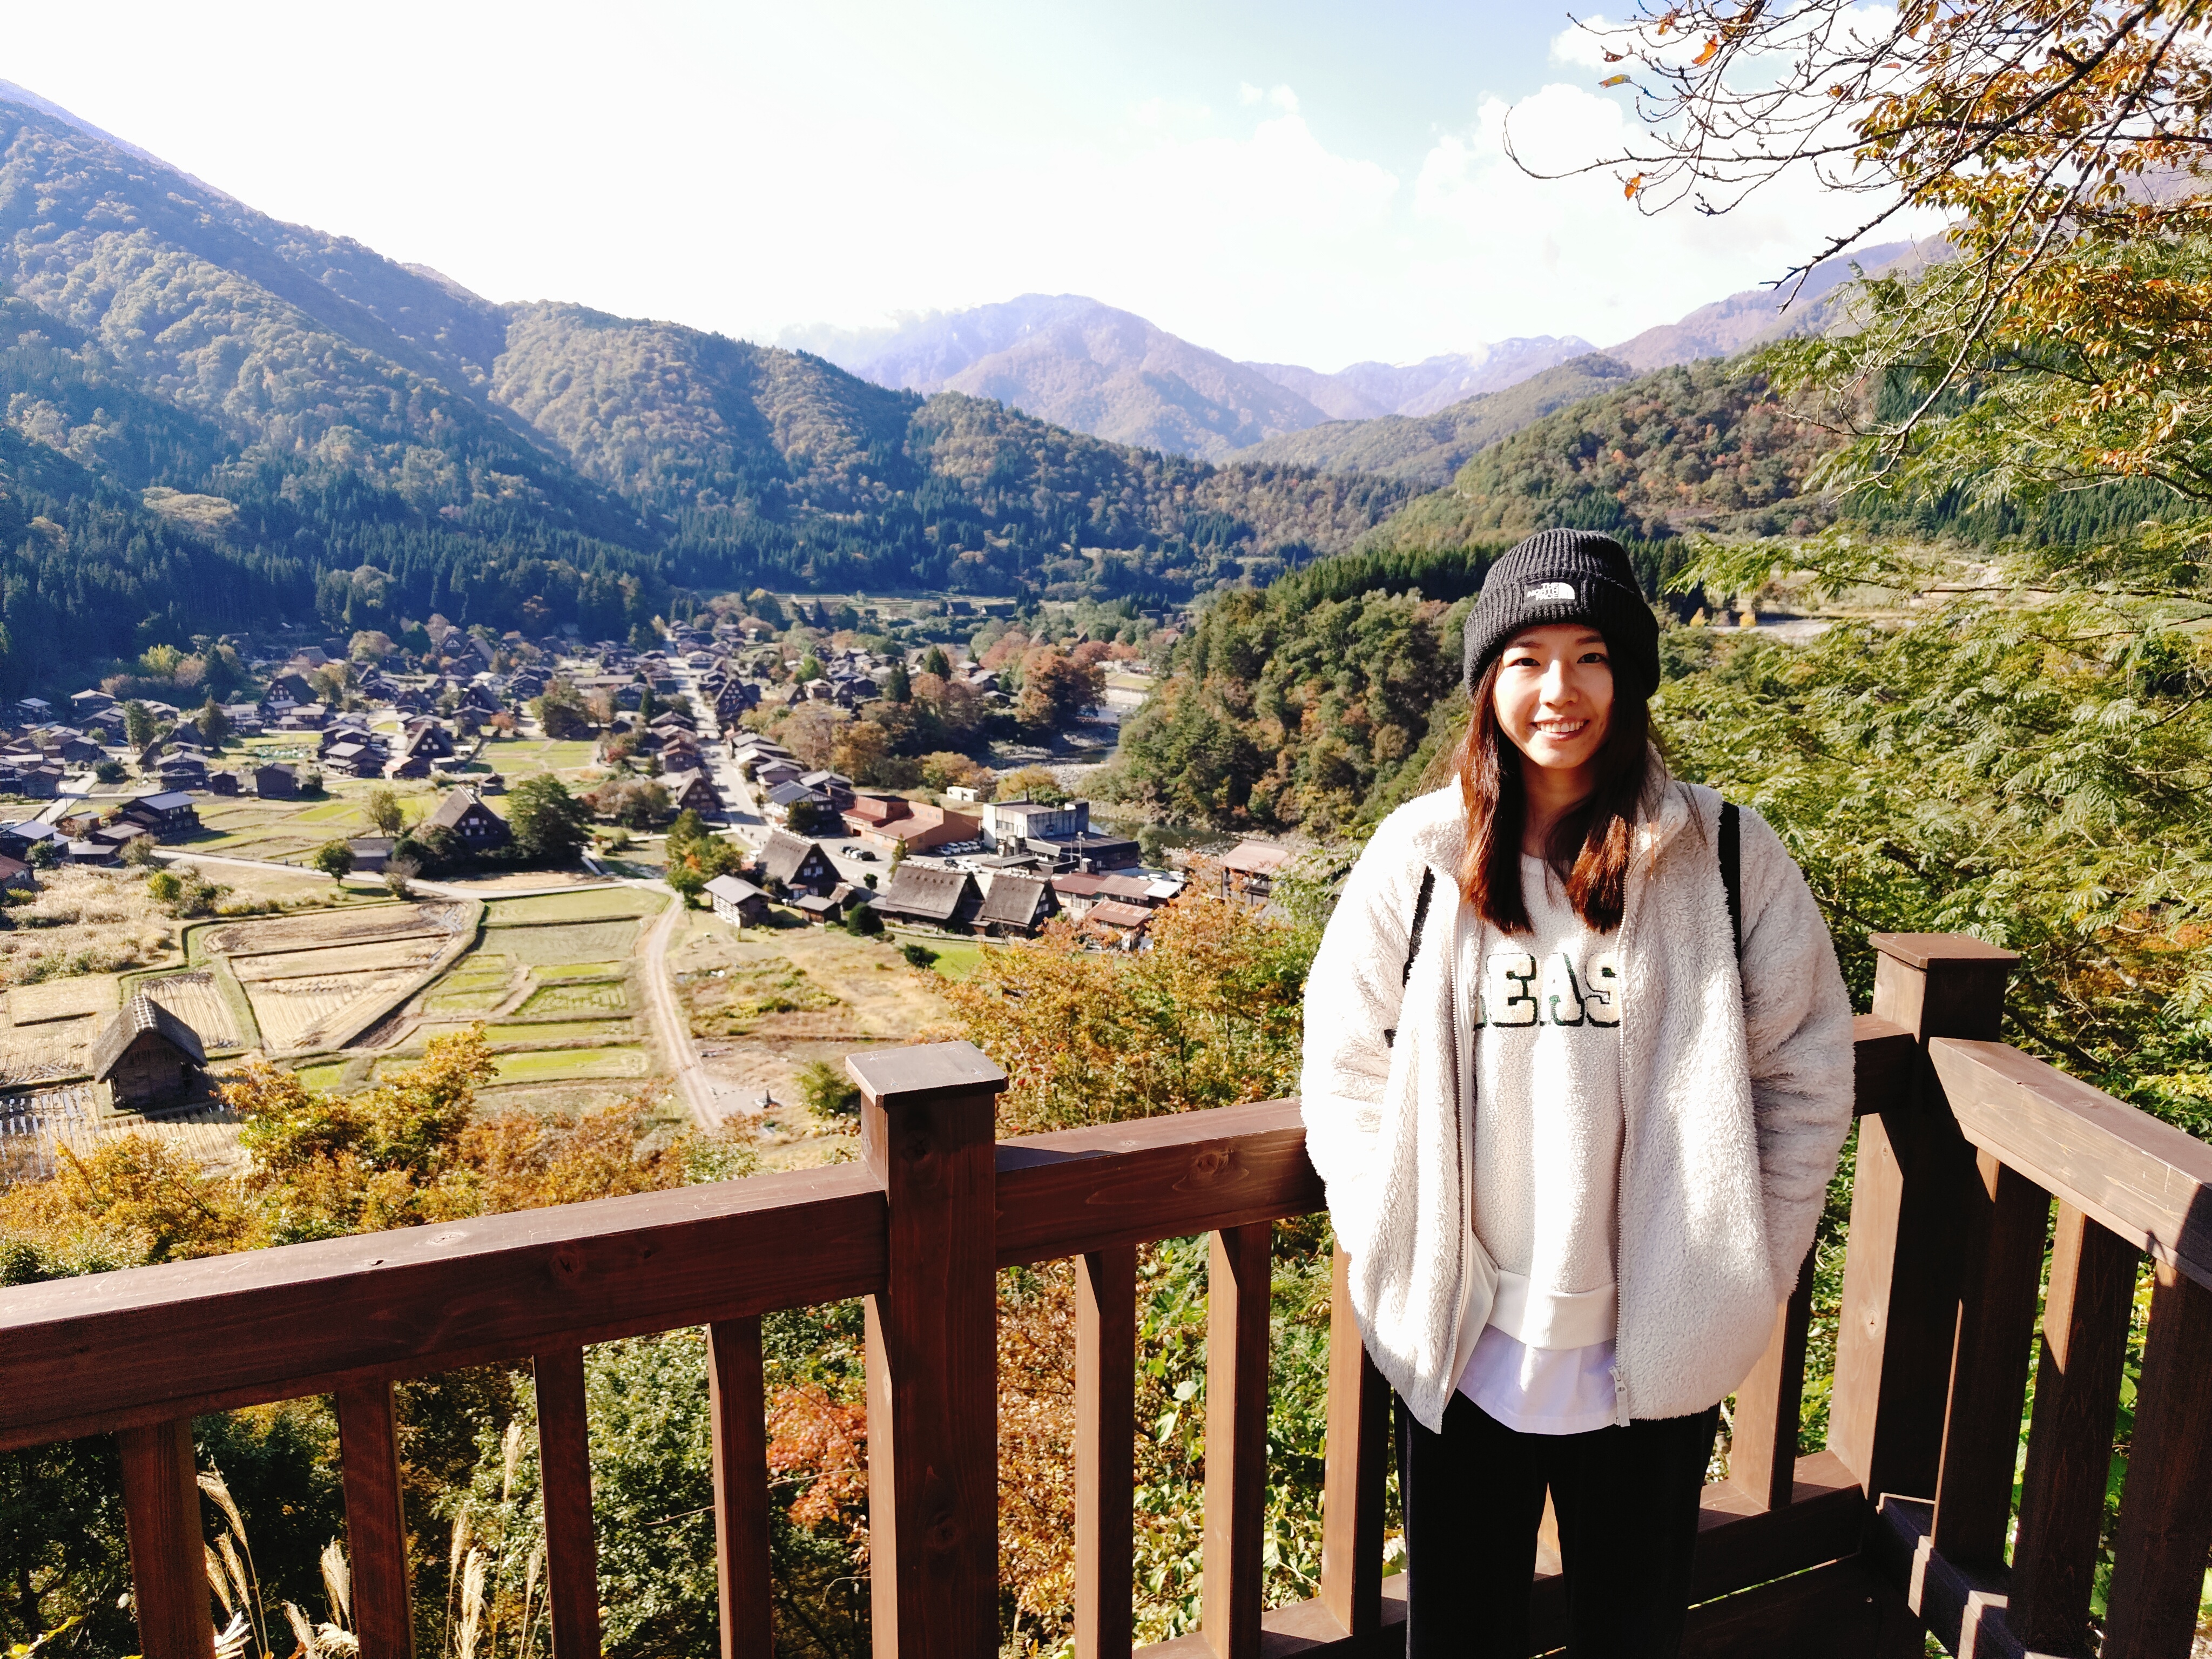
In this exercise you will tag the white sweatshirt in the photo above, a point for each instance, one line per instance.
(1736, 1091)
(1545, 1009)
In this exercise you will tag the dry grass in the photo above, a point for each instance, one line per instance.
(574, 941)
(84, 922)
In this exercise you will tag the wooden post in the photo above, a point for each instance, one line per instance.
(1239, 1275)
(2165, 1529)
(1763, 1445)
(927, 1134)
(1899, 1317)
(564, 1466)
(741, 1553)
(1995, 1333)
(376, 1531)
(1105, 1450)
(1351, 1480)
(168, 1561)
(2070, 1445)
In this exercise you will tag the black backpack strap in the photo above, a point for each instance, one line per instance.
(1732, 871)
(1420, 919)
(1413, 940)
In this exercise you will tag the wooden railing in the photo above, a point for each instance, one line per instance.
(1902, 1518)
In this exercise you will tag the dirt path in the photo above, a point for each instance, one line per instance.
(706, 1100)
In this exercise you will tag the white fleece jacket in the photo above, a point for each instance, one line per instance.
(1735, 1092)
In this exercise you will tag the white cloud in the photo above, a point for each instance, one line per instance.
(1580, 45)
(1512, 253)
(741, 165)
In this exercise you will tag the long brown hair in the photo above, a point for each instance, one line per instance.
(1589, 847)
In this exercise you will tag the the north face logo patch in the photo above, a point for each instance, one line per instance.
(1545, 591)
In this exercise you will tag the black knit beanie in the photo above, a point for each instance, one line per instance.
(1566, 577)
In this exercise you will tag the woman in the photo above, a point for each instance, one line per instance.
(1576, 1132)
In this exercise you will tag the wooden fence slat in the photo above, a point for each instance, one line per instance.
(735, 1402)
(2069, 1442)
(1899, 1314)
(2164, 1529)
(1105, 1441)
(564, 1462)
(376, 1531)
(1239, 1273)
(1763, 1437)
(168, 1563)
(1351, 1480)
(926, 1129)
(2003, 1270)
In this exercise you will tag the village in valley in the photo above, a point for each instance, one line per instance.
(635, 864)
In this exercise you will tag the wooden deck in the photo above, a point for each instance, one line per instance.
(1905, 1520)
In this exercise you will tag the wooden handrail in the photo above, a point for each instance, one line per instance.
(2146, 1181)
(146, 1345)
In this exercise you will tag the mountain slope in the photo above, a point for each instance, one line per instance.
(1695, 445)
(310, 347)
(681, 418)
(1426, 450)
(1727, 326)
(1367, 438)
(1085, 366)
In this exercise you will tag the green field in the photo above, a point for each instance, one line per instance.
(475, 984)
(324, 1074)
(544, 1065)
(556, 973)
(598, 996)
(585, 904)
(516, 758)
(956, 958)
(562, 1030)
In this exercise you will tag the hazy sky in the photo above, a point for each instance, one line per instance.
(1291, 181)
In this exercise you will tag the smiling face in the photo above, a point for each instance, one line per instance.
(1554, 696)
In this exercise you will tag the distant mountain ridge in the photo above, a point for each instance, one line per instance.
(1372, 391)
(1728, 327)
(1078, 364)
(1090, 367)
(1428, 449)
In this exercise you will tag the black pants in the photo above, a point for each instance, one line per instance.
(1626, 1500)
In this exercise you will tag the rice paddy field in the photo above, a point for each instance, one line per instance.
(551, 977)
(314, 979)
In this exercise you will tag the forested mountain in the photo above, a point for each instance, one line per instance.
(214, 420)
(1427, 449)
(1702, 444)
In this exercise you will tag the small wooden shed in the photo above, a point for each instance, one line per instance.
(146, 1056)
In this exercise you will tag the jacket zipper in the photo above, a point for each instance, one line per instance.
(1620, 1392)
